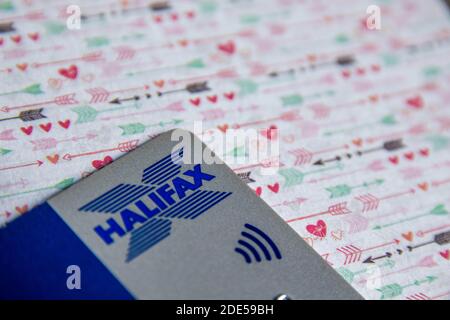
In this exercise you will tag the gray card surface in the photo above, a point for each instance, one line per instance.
(170, 230)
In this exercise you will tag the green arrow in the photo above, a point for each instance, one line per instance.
(132, 128)
(97, 42)
(6, 6)
(439, 142)
(349, 275)
(196, 63)
(85, 114)
(393, 290)
(89, 114)
(63, 184)
(247, 86)
(33, 89)
(342, 190)
(238, 152)
(4, 151)
(55, 28)
(250, 18)
(438, 210)
(386, 120)
(294, 177)
(292, 100)
(208, 6)
(136, 128)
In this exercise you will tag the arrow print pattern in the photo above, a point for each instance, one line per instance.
(360, 116)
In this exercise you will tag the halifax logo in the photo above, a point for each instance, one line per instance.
(146, 211)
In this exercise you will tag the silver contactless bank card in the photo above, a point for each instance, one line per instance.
(150, 226)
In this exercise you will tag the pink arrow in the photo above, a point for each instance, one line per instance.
(24, 165)
(89, 57)
(122, 147)
(66, 99)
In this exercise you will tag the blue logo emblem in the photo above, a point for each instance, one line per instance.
(256, 245)
(147, 210)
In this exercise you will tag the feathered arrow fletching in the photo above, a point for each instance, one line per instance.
(28, 115)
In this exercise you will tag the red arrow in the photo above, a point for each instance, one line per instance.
(37, 162)
(334, 210)
(90, 57)
(65, 99)
(122, 147)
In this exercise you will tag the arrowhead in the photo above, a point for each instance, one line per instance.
(39, 163)
(67, 156)
(319, 163)
(4, 109)
(388, 254)
(397, 241)
(369, 260)
(115, 101)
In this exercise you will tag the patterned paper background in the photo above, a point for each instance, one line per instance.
(363, 116)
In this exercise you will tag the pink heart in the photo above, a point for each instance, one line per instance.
(274, 187)
(227, 47)
(98, 164)
(319, 229)
(445, 254)
(55, 83)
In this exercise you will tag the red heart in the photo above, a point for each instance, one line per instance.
(33, 36)
(319, 229)
(357, 142)
(27, 130)
(409, 155)
(423, 186)
(53, 159)
(229, 95)
(65, 124)
(190, 14)
(393, 159)
(408, 236)
(70, 73)
(415, 102)
(159, 83)
(375, 67)
(346, 73)
(98, 164)
(157, 19)
(424, 152)
(445, 254)
(195, 102)
(227, 47)
(213, 99)
(274, 187)
(360, 71)
(270, 133)
(183, 42)
(23, 209)
(46, 127)
(258, 191)
(22, 66)
(1, 41)
(374, 98)
(16, 38)
(223, 128)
